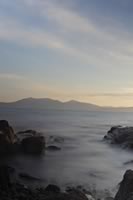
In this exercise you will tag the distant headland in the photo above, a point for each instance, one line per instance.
(47, 103)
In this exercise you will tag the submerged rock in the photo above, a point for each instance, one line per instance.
(53, 148)
(76, 194)
(126, 187)
(52, 188)
(128, 162)
(120, 135)
(56, 139)
(28, 177)
(32, 132)
(33, 145)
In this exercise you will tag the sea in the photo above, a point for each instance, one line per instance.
(85, 159)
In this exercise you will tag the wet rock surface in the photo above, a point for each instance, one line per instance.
(52, 188)
(128, 162)
(53, 148)
(18, 191)
(8, 138)
(28, 177)
(125, 191)
(29, 141)
(33, 145)
(122, 136)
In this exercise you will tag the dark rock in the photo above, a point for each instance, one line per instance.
(17, 191)
(128, 162)
(11, 169)
(53, 148)
(8, 138)
(125, 191)
(4, 177)
(7, 131)
(120, 135)
(52, 188)
(28, 177)
(109, 198)
(33, 132)
(33, 145)
(76, 194)
(26, 141)
(3, 124)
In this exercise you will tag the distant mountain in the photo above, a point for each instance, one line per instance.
(45, 103)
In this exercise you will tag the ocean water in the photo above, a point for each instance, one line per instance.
(85, 159)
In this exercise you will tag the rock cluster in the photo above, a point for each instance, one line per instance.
(16, 191)
(29, 141)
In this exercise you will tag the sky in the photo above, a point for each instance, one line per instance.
(67, 49)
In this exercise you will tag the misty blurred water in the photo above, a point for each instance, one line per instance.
(85, 159)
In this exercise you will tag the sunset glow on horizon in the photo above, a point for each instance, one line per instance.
(62, 49)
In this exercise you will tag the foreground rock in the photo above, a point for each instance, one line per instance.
(4, 177)
(53, 188)
(33, 145)
(120, 135)
(20, 192)
(8, 138)
(16, 191)
(7, 131)
(28, 141)
(126, 187)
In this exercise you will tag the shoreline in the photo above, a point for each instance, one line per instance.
(15, 190)
(32, 143)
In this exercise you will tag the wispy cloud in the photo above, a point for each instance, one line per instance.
(58, 27)
(71, 34)
(127, 94)
(10, 76)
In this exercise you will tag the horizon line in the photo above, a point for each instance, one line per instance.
(71, 100)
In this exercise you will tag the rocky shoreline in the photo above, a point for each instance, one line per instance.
(15, 191)
(27, 141)
(32, 142)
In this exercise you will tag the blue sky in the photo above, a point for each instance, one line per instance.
(63, 49)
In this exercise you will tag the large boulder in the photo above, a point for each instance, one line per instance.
(4, 177)
(8, 138)
(28, 141)
(126, 187)
(120, 135)
(7, 131)
(33, 145)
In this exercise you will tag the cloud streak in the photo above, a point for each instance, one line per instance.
(57, 27)
(10, 76)
(127, 94)
(72, 35)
